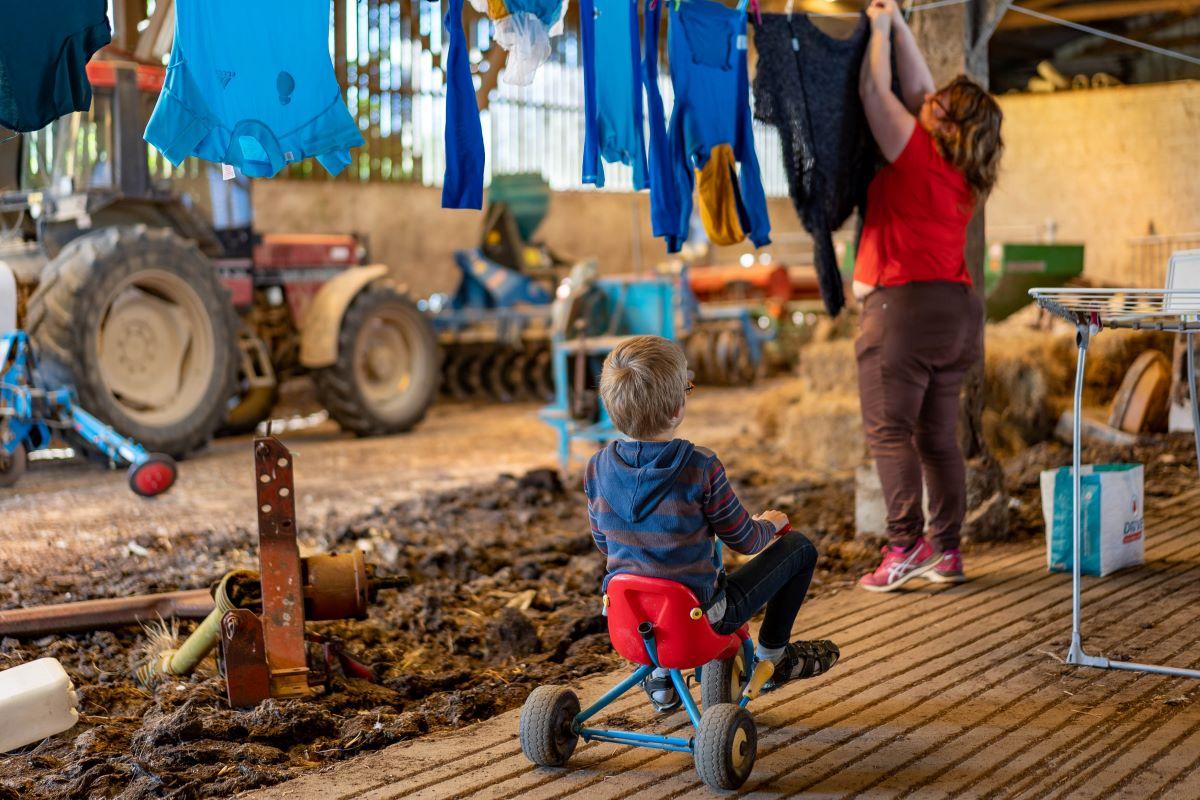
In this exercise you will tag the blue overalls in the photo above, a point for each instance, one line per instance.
(251, 84)
(613, 123)
(707, 46)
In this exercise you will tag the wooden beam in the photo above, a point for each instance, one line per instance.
(1100, 11)
(813, 6)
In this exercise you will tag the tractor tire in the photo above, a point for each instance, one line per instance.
(135, 319)
(12, 466)
(386, 373)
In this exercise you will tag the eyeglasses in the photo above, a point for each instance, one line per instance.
(689, 388)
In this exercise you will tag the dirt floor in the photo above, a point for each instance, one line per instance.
(504, 592)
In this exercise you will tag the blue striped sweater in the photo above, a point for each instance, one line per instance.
(655, 508)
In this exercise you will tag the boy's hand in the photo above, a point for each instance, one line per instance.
(776, 518)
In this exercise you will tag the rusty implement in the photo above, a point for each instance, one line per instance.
(274, 642)
(90, 615)
(266, 655)
(247, 675)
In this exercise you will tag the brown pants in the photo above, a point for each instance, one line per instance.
(915, 345)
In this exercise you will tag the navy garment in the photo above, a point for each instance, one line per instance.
(806, 86)
(706, 42)
(657, 509)
(462, 186)
(252, 85)
(664, 199)
(45, 46)
(613, 125)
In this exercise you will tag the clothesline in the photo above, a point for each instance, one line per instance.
(910, 8)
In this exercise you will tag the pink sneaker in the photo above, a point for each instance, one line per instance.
(899, 566)
(949, 568)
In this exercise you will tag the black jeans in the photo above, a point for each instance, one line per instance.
(777, 578)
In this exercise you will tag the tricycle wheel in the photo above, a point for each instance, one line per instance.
(722, 681)
(547, 736)
(153, 476)
(726, 746)
(12, 466)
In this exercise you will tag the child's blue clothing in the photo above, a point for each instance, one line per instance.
(664, 198)
(707, 46)
(613, 125)
(252, 85)
(45, 46)
(462, 185)
(657, 509)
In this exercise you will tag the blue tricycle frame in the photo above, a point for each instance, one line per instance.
(30, 413)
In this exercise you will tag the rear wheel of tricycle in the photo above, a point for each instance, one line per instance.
(547, 735)
(722, 681)
(726, 746)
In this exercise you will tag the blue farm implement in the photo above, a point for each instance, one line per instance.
(592, 315)
(32, 415)
(497, 330)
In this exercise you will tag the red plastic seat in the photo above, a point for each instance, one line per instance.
(681, 642)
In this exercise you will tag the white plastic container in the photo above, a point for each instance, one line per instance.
(36, 700)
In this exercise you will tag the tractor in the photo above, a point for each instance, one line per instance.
(170, 326)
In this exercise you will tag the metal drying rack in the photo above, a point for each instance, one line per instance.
(1090, 311)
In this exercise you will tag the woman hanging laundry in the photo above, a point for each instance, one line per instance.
(922, 322)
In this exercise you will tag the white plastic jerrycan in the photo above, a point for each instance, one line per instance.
(36, 700)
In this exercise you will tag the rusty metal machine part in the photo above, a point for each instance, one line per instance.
(247, 675)
(336, 586)
(279, 570)
(90, 615)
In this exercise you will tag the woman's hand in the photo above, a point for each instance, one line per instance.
(882, 13)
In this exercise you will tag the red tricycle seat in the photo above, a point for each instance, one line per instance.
(683, 639)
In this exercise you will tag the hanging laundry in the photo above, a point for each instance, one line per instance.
(806, 86)
(44, 50)
(524, 28)
(721, 210)
(462, 185)
(664, 198)
(706, 42)
(613, 123)
(256, 102)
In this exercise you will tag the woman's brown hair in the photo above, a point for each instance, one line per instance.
(972, 142)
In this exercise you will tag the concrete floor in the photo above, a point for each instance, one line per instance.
(942, 692)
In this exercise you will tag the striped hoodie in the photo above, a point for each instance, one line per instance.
(655, 508)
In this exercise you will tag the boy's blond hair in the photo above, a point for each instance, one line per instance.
(643, 384)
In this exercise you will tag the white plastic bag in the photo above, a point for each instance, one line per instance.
(1113, 518)
(527, 41)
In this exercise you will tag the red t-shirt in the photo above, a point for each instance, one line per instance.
(918, 208)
